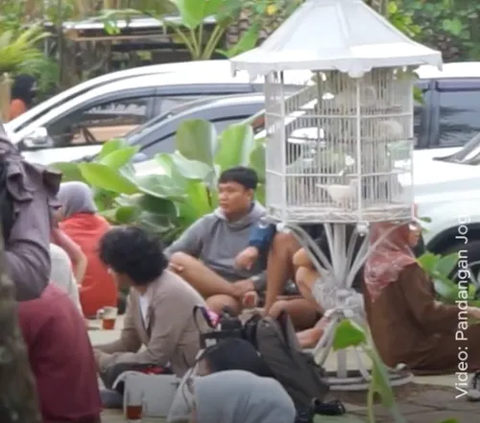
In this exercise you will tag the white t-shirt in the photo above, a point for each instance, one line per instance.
(61, 273)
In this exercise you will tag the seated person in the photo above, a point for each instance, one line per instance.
(205, 254)
(238, 396)
(287, 261)
(407, 324)
(159, 311)
(81, 222)
(61, 358)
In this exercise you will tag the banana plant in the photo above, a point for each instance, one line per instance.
(440, 268)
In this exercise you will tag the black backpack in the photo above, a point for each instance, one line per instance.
(294, 369)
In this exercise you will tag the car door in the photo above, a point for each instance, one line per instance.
(82, 131)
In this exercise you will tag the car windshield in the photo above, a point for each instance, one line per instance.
(469, 154)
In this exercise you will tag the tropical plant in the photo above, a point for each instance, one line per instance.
(173, 190)
(441, 269)
(18, 49)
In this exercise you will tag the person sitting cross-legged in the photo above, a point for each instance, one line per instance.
(159, 311)
(205, 254)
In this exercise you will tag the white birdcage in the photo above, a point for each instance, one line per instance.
(340, 149)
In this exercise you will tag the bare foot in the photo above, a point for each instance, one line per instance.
(309, 338)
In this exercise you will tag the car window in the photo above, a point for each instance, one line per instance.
(167, 145)
(99, 123)
(459, 117)
(171, 102)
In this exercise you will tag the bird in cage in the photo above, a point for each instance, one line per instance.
(341, 195)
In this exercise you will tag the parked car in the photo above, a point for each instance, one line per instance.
(79, 126)
(39, 110)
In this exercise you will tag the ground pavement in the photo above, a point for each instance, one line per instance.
(427, 400)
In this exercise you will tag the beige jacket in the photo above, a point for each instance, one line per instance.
(170, 334)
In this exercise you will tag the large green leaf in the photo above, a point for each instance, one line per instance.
(150, 204)
(126, 214)
(446, 264)
(119, 158)
(70, 171)
(197, 140)
(111, 146)
(191, 169)
(246, 42)
(348, 334)
(260, 194)
(103, 177)
(428, 262)
(235, 146)
(257, 161)
(193, 12)
(165, 162)
(161, 186)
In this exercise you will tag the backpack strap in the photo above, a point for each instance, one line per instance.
(204, 313)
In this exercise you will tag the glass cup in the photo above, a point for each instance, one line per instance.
(108, 316)
(135, 407)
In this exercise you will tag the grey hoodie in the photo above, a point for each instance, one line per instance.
(216, 242)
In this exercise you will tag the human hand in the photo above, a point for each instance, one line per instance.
(250, 299)
(247, 258)
(240, 288)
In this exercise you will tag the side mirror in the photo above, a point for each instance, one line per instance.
(38, 138)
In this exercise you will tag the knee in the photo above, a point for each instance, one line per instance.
(277, 308)
(305, 278)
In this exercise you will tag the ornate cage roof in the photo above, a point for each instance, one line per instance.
(344, 35)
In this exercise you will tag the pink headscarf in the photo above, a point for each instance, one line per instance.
(389, 258)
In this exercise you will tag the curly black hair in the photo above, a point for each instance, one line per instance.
(134, 252)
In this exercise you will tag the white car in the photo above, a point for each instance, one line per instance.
(75, 123)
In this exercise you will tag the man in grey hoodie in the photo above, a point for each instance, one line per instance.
(205, 254)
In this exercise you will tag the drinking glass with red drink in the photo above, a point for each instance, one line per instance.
(134, 406)
(108, 316)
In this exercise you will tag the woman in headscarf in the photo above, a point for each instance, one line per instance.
(22, 95)
(237, 396)
(407, 324)
(85, 227)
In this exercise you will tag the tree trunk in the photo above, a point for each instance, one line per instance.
(18, 398)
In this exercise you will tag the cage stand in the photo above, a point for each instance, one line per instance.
(344, 379)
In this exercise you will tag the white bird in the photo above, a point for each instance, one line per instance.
(342, 195)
